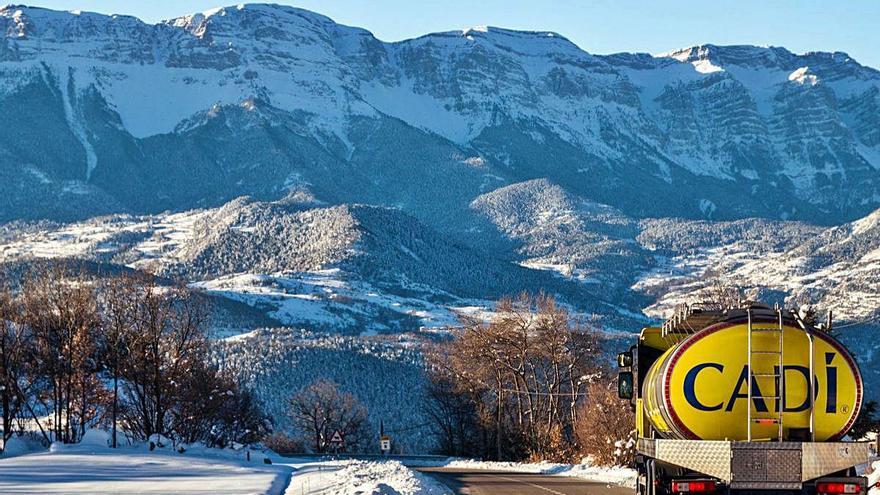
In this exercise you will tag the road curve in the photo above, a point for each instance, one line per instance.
(479, 482)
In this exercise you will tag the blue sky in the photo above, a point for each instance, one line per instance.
(597, 26)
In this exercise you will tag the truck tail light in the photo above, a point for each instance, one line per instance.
(694, 486)
(829, 488)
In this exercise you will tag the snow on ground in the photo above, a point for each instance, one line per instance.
(615, 475)
(362, 478)
(331, 299)
(565, 271)
(85, 469)
(91, 467)
(847, 286)
(146, 238)
(874, 478)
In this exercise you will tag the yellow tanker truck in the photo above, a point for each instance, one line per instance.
(749, 399)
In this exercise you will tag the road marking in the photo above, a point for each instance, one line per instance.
(549, 490)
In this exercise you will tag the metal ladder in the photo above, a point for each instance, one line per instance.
(811, 389)
(777, 374)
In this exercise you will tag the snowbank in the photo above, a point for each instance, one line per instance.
(363, 478)
(17, 446)
(874, 478)
(616, 475)
(96, 439)
(94, 468)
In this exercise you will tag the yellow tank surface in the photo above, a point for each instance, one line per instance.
(698, 388)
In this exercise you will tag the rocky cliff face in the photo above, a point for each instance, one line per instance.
(108, 114)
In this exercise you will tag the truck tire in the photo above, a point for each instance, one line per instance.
(649, 478)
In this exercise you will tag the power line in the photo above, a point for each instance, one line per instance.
(861, 322)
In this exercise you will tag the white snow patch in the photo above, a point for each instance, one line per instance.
(614, 475)
(803, 76)
(475, 161)
(475, 29)
(874, 478)
(93, 468)
(707, 207)
(363, 478)
(706, 66)
(75, 123)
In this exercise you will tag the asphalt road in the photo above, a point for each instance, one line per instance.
(477, 482)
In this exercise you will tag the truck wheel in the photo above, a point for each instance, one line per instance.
(641, 479)
(650, 478)
(655, 479)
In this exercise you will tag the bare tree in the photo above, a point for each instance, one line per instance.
(721, 295)
(14, 351)
(61, 338)
(119, 305)
(321, 409)
(213, 408)
(524, 371)
(59, 308)
(453, 417)
(169, 341)
(604, 429)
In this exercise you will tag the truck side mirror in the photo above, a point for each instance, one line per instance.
(624, 360)
(625, 385)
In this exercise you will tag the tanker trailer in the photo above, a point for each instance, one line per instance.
(749, 399)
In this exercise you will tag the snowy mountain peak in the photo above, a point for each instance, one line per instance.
(744, 55)
(531, 104)
(482, 30)
(501, 40)
(23, 21)
(478, 29)
(259, 20)
(828, 65)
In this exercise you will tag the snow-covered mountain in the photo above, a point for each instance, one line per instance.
(109, 114)
(309, 176)
(344, 268)
(836, 268)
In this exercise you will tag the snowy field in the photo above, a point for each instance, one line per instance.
(91, 468)
(80, 470)
(874, 479)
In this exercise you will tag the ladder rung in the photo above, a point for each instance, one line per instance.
(779, 333)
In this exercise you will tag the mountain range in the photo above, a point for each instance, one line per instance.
(342, 198)
(109, 114)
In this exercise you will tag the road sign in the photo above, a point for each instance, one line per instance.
(385, 443)
(337, 439)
